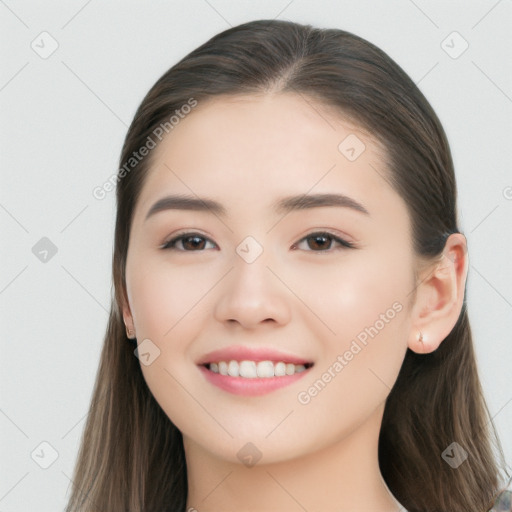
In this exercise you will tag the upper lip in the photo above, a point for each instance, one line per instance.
(241, 353)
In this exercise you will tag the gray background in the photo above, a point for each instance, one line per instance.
(63, 121)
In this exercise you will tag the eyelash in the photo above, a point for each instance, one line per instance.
(170, 245)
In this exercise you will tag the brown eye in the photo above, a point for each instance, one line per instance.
(193, 242)
(323, 242)
(188, 242)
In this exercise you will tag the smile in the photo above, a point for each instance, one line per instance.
(252, 371)
(251, 378)
(256, 369)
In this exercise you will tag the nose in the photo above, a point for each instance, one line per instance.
(251, 295)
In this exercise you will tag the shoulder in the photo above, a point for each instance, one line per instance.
(503, 503)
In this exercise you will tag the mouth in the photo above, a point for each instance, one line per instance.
(252, 371)
(247, 369)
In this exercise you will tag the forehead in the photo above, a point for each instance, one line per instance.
(270, 124)
(264, 146)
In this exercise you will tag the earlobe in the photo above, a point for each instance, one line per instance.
(421, 345)
(439, 297)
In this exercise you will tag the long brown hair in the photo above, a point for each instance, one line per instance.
(131, 456)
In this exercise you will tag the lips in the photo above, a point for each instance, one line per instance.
(252, 371)
(257, 354)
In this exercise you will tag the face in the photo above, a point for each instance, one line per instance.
(322, 285)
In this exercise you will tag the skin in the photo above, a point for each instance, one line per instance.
(247, 152)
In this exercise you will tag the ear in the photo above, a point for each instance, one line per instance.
(127, 314)
(439, 296)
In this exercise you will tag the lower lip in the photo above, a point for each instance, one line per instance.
(250, 387)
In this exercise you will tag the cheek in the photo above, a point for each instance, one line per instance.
(360, 363)
(164, 298)
(373, 326)
(370, 300)
(167, 307)
(364, 302)
(351, 293)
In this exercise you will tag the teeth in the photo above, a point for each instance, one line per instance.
(246, 369)
(223, 368)
(253, 369)
(264, 369)
(233, 368)
(280, 369)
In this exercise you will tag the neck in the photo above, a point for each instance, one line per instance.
(343, 477)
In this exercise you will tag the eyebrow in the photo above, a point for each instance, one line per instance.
(282, 206)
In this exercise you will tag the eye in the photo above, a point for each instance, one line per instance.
(188, 242)
(316, 242)
(322, 242)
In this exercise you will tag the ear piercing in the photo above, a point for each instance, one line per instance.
(130, 334)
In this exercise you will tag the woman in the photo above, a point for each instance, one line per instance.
(290, 271)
